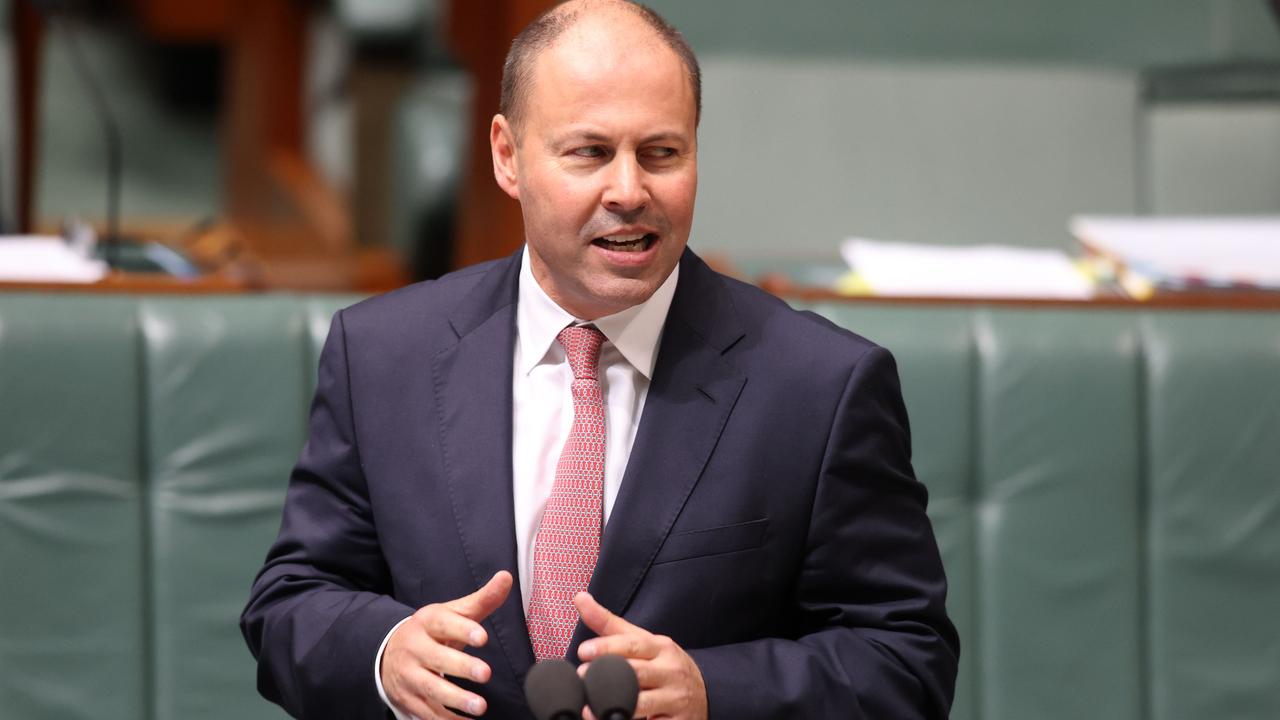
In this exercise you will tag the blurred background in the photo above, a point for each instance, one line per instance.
(342, 144)
(1076, 206)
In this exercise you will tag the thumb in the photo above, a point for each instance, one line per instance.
(597, 617)
(481, 603)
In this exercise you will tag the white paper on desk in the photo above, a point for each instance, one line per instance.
(38, 258)
(982, 271)
(1214, 250)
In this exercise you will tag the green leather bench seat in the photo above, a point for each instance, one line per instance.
(72, 611)
(144, 450)
(1104, 486)
(226, 394)
(1213, 409)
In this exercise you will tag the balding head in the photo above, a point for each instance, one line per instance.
(605, 160)
(555, 24)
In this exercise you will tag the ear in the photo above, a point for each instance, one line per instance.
(502, 144)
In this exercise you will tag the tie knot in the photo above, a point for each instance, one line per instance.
(582, 347)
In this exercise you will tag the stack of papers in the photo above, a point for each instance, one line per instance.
(1181, 252)
(981, 271)
(38, 258)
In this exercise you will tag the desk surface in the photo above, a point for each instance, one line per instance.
(783, 287)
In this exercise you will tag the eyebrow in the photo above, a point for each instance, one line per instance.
(597, 137)
(669, 136)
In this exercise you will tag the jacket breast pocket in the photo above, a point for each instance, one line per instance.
(713, 541)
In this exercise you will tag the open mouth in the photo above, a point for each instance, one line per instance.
(626, 243)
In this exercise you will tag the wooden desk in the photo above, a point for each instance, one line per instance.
(1192, 300)
(136, 283)
(294, 229)
(230, 262)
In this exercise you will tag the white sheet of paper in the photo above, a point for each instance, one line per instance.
(981, 271)
(38, 258)
(1216, 250)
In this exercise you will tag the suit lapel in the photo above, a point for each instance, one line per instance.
(472, 384)
(690, 398)
(692, 394)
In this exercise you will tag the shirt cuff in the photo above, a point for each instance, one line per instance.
(377, 674)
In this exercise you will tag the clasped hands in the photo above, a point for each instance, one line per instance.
(426, 650)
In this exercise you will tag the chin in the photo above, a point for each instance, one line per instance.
(617, 295)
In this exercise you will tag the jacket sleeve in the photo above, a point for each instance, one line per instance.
(870, 637)
(320, 607)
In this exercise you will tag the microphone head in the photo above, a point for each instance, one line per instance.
(612, 687)
(554, 691)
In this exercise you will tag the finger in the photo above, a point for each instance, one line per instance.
(481, 603)
(639, 645)
(587, 714)
(599, 618)
(424, 710)
(428, 710)
(449, 695)
(649, 674)
(419, 704)
(657, 703)
(442, 659)
(445, 624)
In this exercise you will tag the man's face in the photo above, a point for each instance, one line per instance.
(605, 167)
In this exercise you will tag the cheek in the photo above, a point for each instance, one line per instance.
(679, 195)
(552, 189)
(573, 200)
(549, 208)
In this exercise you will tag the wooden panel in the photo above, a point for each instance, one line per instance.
(29, 37)
(204, 21)
(489, 222)
(263, 115)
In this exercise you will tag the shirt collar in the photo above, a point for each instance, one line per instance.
(634, 331)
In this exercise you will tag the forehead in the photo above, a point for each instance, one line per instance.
(610, 68)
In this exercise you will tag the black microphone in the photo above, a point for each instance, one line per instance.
(555, 691)
(612, 688)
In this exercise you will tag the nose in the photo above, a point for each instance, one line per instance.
(625, 191)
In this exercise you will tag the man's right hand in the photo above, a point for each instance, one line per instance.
(428, 646)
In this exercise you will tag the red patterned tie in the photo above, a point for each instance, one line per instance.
(568, 541)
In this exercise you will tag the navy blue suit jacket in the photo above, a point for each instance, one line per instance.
(768, 520)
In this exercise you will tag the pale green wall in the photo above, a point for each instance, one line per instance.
(796, 154)
(1214, 158)
(951, 121)
(1131, 33)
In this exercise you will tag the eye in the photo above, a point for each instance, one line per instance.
(589, 151)
(659, 153)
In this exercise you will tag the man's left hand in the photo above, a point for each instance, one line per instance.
(671, 684)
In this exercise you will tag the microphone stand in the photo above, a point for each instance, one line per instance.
(114, 143)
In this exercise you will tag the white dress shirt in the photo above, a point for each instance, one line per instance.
(542, 406)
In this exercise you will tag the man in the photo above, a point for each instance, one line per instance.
(728, 479)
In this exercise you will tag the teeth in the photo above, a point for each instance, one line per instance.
(636, 242)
